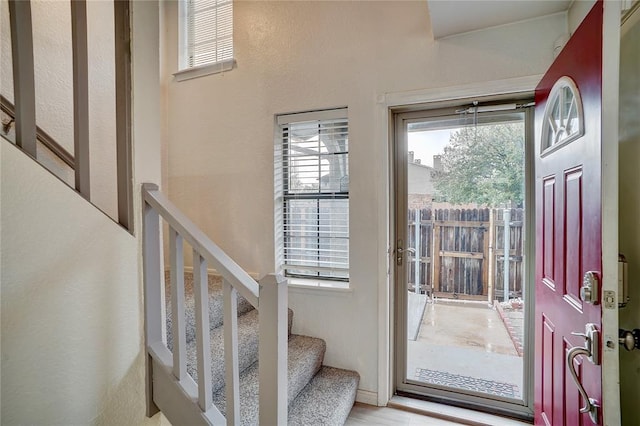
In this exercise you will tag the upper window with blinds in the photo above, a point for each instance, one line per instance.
(313, 213)
(206, 37)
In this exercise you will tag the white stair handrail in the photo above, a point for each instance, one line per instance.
(199, 241)
(168, 383)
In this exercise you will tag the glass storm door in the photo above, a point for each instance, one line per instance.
(461, 245)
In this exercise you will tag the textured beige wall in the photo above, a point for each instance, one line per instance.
(72, 305)
(297, 56)
(71, 323)
(630, 209)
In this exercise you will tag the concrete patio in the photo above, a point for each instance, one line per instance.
(467, 345)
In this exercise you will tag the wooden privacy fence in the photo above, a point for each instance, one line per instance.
(459, 253)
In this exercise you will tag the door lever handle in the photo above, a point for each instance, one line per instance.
(400, 254)
(409, 250)
(591, 351)
(591, 405)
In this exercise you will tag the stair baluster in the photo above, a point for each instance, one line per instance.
(201, 293)
(232, 371)
(167, 377)
(178, 332)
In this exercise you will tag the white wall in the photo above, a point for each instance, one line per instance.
(71, 323)
(297, 56)
(72, 306)
(630, 209)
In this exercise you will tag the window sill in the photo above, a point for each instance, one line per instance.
(202, 70)
(311, 284)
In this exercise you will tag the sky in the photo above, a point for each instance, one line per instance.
(428, 143)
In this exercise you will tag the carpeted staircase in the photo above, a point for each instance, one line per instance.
(318, 395)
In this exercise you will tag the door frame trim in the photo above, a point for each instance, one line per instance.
(611, 22)
(523, 409)
(387, 104)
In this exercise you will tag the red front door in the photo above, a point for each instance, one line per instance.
(569, 227)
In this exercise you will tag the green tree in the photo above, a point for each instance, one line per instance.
(483, 165)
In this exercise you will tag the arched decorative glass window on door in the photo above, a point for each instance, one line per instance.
(563, 117)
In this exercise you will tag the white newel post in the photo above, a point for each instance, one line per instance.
(152, 289)
(273, 350)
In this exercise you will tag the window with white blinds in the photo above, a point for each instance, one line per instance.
(315, 195)
(206, 34)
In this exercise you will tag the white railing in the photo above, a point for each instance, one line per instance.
(169, 387)
(28, 135)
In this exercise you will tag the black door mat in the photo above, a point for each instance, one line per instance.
(441, 378)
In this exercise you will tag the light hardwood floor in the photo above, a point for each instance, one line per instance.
(363, 414)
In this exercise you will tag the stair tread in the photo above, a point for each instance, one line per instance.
(216, 308)
(317, 394)
(327, 399)
(247, 348)
(305, 356)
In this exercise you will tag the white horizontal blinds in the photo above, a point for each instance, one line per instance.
(316, 196)
(209, 31)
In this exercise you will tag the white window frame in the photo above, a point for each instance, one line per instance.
(322, 279)
(187, 71)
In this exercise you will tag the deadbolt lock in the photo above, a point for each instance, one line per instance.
(590, 288)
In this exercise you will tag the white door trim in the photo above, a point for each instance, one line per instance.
(386, 102)
(610, 104)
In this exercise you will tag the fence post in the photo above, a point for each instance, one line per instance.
(435, 256)
(492, 255)
(416, 254)
(272, 350)
(507, 250)
(486, 256)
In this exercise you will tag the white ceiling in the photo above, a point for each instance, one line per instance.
(449, 17)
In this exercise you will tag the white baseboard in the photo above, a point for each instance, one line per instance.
(367, 397)
(214, 272)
